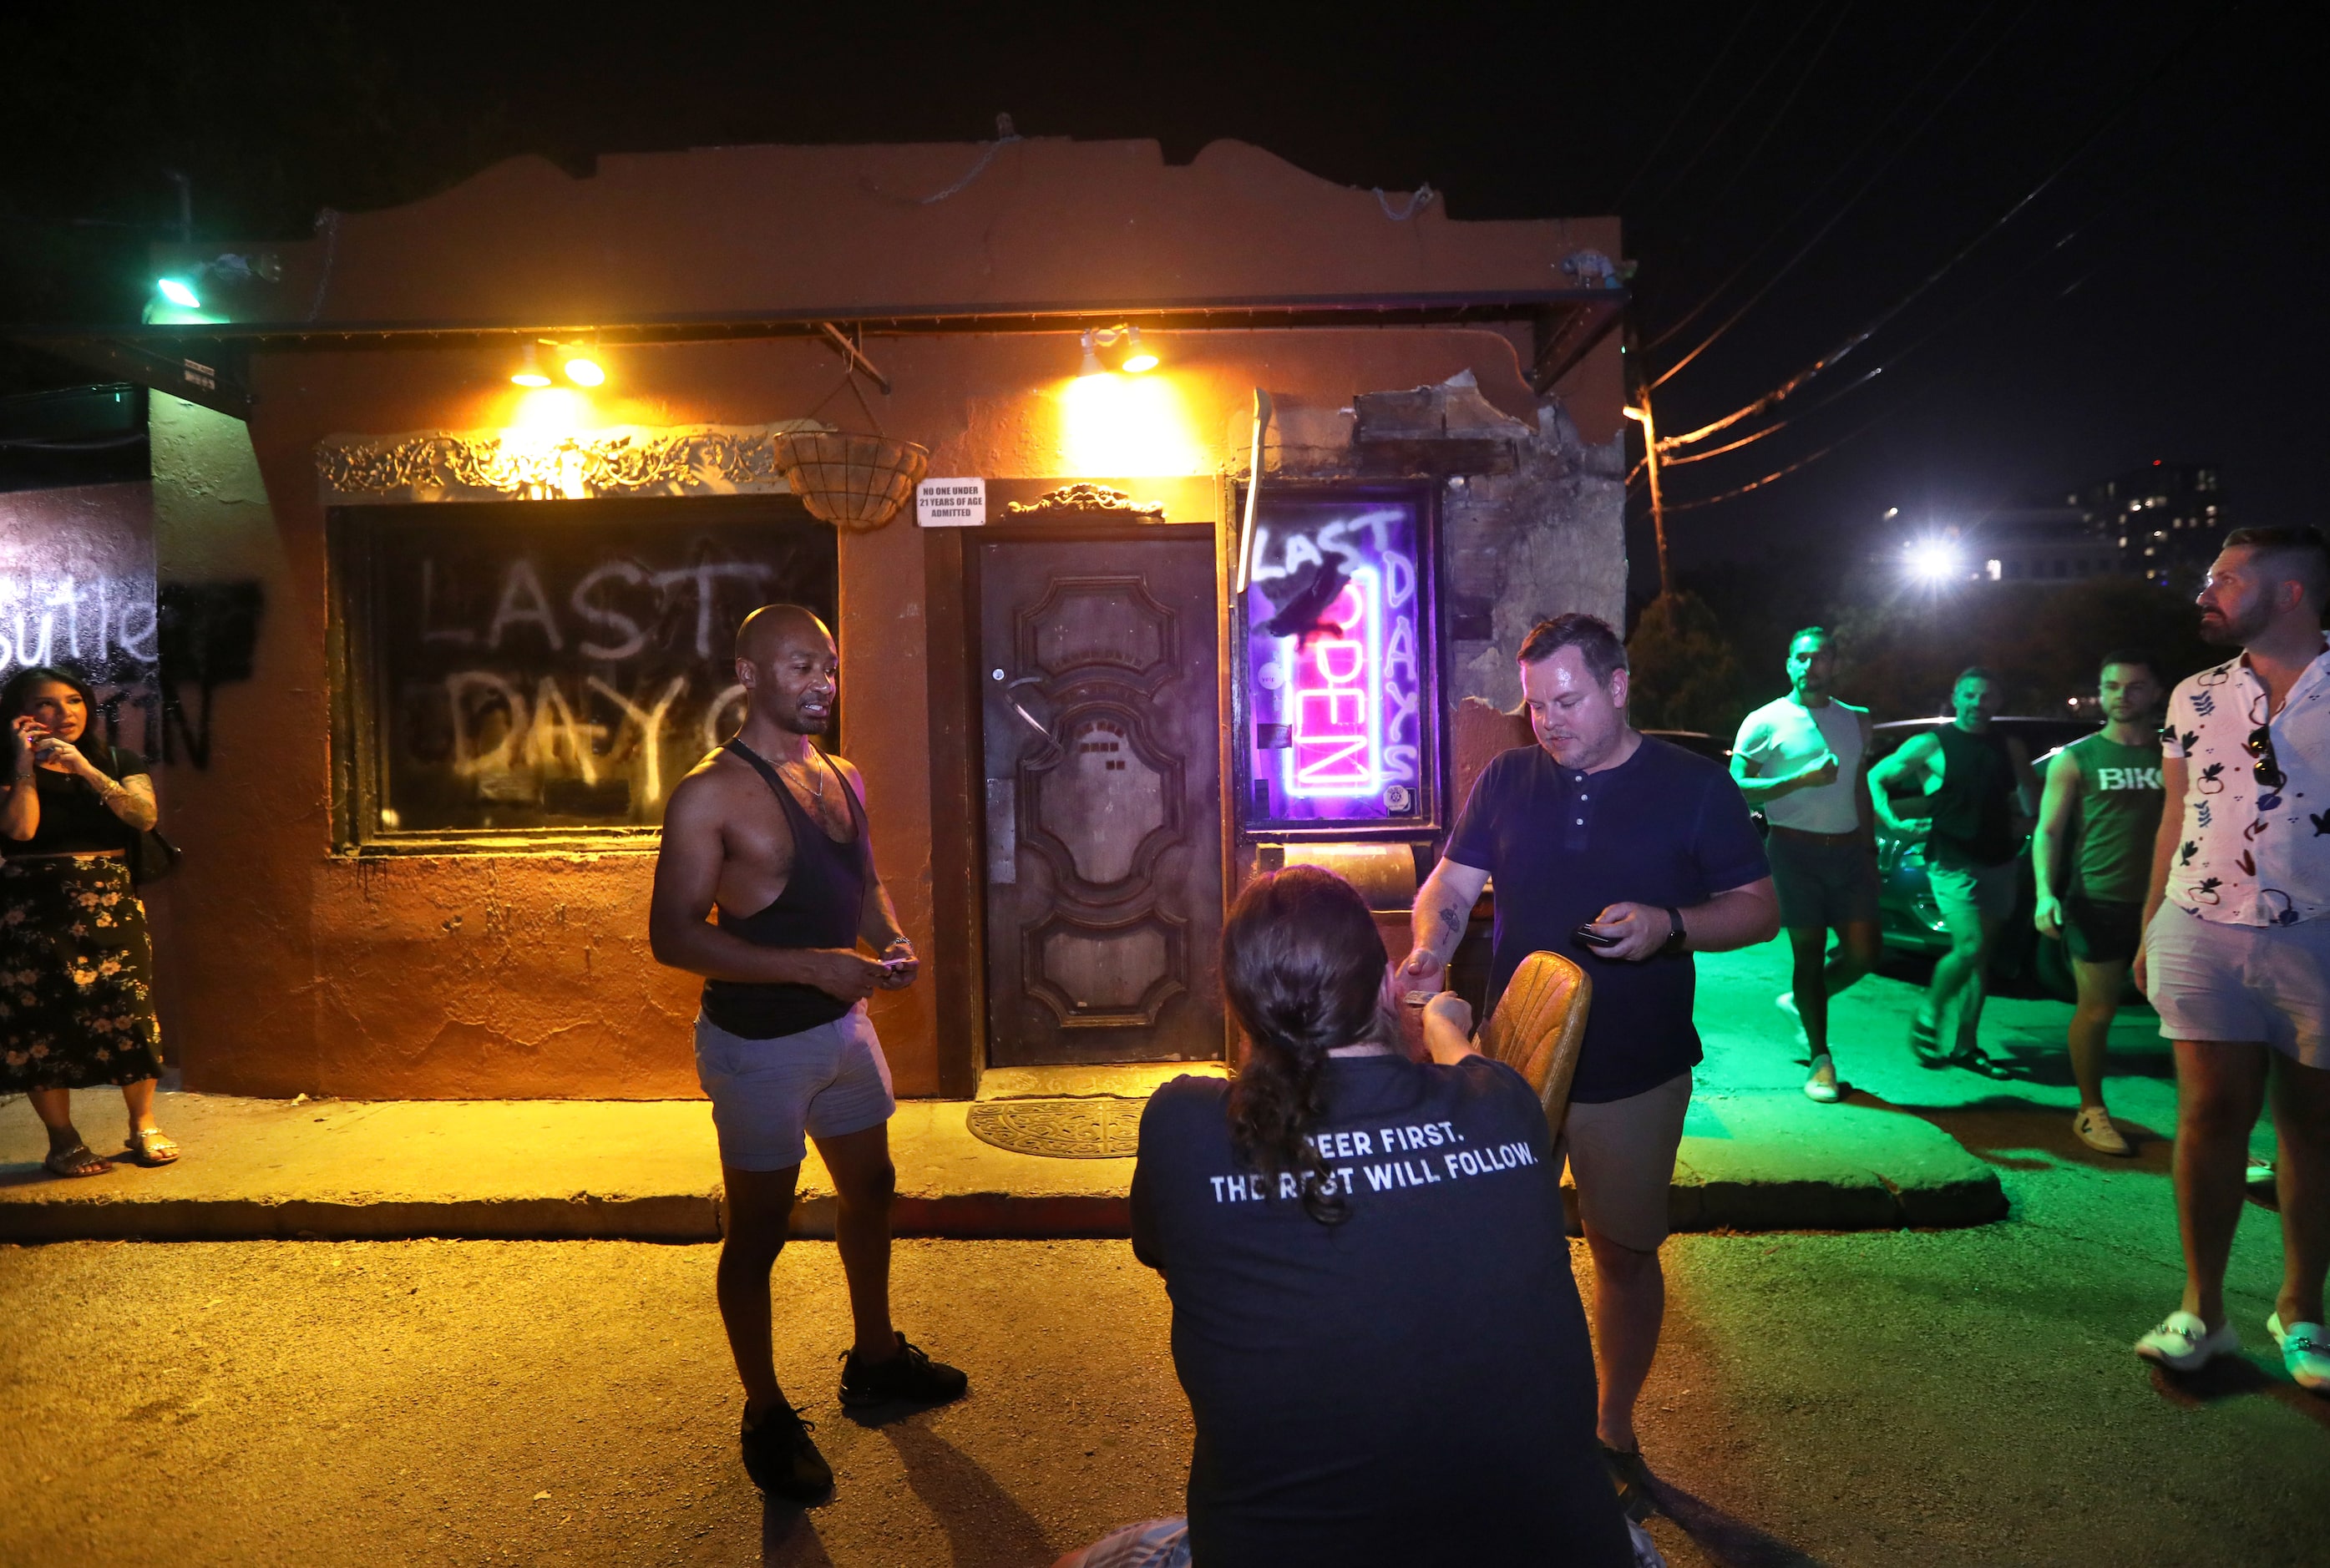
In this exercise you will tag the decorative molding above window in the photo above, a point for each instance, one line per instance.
(519, 465)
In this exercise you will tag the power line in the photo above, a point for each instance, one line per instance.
(1849, 201)
(1690, 103)
(2128, 100)
(1690, 244)
(1812, 14)
(1864, 427)
(2115, 204)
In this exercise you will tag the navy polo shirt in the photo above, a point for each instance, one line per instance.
(1663, 828)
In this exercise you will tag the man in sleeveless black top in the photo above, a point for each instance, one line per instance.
(1983, 795)
(769, 836)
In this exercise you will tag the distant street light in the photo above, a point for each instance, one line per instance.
(1933, 561)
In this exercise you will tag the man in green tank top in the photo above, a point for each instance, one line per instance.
(2092, 860)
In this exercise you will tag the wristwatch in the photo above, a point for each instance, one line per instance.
(1676, 936)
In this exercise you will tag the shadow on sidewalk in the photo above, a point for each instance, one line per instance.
(1732, 1542)
(2231, 1376)
(788, 1539)
(1990, 1127)
(985, 1526)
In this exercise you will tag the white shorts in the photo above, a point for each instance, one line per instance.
(767, 1094)
(2214, 981)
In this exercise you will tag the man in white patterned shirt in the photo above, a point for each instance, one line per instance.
(2237, 945)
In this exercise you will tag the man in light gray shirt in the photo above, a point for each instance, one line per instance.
(1800, 760)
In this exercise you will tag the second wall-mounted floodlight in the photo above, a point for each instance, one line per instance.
(1115, 348)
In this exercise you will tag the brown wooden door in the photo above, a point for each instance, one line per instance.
(1103, 788)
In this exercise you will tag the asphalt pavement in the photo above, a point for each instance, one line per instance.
(1912, 1396)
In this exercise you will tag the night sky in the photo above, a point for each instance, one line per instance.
(2159, 299)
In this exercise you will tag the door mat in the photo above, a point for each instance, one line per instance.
(1090, 1127)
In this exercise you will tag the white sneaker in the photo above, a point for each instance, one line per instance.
(1829, 1092)
(2182, 1343)
(2094, 1125)
(1786, 1003)
(2305, 1350)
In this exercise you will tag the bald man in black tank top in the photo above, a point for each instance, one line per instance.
(767, 836)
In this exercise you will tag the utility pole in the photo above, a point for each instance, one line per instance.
(1641, 414)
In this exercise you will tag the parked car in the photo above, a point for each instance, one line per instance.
(1905, 902)
(1698, 740)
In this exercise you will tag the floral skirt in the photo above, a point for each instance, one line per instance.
(76, 975)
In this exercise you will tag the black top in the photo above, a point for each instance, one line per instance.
(1665, 828)
(1973, 825)
(1411, 1387)
(73, 820)
(822, 905)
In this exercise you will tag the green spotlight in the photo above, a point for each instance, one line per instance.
(179, 294)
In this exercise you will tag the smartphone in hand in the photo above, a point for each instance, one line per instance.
(1594, 939)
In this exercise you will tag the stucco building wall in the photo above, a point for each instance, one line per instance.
(527, 973)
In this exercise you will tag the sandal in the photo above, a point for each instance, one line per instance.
(76, 1159)
(150, 1146)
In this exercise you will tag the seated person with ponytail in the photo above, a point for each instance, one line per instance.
(1373, 1313)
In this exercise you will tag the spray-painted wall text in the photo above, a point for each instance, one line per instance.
(563, 675)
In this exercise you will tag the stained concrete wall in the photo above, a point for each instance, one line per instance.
(501, 974)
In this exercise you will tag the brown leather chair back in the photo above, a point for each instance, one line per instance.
(1538, 1025)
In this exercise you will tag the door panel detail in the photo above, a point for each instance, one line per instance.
(1107, 977)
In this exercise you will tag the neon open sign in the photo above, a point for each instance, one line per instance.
(1335, 664)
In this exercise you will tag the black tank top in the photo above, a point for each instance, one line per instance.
(823, 902)
(1972, 823)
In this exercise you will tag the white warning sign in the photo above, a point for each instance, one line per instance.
(950, 502)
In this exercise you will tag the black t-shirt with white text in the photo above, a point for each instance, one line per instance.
(1412, 1387)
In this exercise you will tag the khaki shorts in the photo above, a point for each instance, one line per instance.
(1622, 1155)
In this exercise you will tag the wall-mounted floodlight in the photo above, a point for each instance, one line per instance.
(1115, 348)
(584, 371)
(178, 292)
(529, 371)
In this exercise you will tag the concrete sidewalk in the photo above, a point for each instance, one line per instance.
(1910, 1147)
(647, 1171)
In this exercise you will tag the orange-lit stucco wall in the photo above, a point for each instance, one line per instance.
(297, 969)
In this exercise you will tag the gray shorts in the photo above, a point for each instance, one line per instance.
(1151, 1543)
(767, 1094)
(1987, 890)
(1822, 885)
(2212, 981)
(1622, 1155)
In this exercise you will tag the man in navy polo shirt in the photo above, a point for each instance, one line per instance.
(1652, 850)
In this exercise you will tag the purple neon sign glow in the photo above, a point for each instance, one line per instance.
(1334, 666)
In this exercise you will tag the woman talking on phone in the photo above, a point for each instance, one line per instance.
(76, 968)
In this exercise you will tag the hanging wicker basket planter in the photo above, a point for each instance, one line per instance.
(852, 481)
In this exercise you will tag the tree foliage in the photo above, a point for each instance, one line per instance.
(1685, 676)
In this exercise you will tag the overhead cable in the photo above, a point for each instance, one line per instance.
(1684, 113)
(1706, 208)
(1812, 14)
(2137, 92)
(1851, 200)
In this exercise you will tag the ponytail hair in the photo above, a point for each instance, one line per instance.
(1303, 967)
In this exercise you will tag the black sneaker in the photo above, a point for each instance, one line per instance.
(781, 1460)
(910, 1376)
(1632, 1477)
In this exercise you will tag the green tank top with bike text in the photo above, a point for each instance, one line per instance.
(2120, 813)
